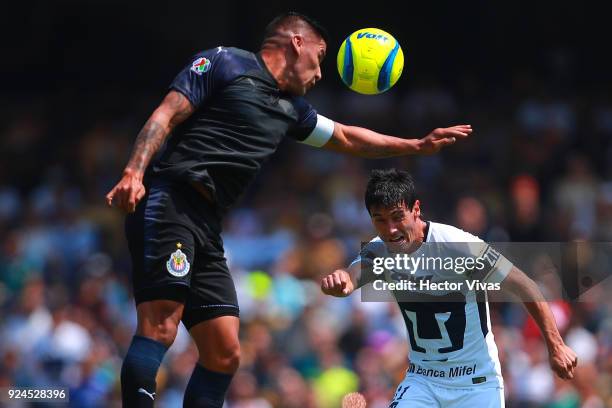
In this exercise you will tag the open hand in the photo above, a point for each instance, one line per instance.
(442, 137)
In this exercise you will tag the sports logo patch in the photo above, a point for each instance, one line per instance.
(200, 66)
(178, 265)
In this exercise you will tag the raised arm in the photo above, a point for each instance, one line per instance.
(562, 359)
(174, 109)
(363, 142)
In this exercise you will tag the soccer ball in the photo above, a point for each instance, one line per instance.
(370, 61)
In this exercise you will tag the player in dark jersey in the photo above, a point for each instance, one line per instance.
(228, 110)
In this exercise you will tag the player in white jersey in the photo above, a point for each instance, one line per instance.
(453, 356)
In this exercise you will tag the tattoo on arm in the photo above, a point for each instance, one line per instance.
(180, 106)
(147, 143)
(174, 109)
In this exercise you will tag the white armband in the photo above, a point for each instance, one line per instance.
(322, 132)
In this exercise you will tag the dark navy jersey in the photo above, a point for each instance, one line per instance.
(240, 118)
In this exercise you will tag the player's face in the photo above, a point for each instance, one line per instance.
(307, 64)
(397, 224)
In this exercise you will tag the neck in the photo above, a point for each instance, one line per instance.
(276, 63)
(422, 230)
(418, 238)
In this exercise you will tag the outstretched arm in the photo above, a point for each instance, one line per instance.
(174, 109)
(367, 143)
(563, 360)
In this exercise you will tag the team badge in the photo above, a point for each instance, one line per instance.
(178, 265)
(200, 66)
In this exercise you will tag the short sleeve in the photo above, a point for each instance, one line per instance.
(365, 259)
(373, 249)
(311, 128)
(204, 73)
(491, 266)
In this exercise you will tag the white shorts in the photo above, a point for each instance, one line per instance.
(415, 392)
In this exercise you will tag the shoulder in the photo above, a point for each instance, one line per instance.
(447, 233)
(224, 61)
(236, 55)
(370, 250)
(453, 240)
(374, 248)
(376, 241)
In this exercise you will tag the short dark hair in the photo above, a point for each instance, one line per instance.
(291, 17)
(388, 188)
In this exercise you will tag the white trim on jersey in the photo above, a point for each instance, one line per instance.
(322, 132)
(491, 346)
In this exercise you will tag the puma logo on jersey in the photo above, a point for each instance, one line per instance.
(149, 394)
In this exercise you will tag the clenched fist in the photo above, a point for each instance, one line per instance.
(337, 284)
(563, 360)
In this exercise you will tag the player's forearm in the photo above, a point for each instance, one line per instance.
(533, 300)
(174, 109)
(148, 142)
(541, 313)
(367, 143)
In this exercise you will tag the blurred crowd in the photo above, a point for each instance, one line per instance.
(537, 168)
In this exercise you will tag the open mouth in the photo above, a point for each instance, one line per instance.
(398, 239)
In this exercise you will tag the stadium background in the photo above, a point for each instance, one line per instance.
(80, 78)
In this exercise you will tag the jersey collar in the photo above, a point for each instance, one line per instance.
(426, 232)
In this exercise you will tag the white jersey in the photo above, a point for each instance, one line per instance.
(450, 335)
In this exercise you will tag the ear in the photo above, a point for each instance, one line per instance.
(416, 209)
(297, 42)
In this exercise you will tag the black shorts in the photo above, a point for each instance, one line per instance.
(174, 237)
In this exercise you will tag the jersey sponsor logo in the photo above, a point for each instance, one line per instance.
(426, 372)
(200, 66)
(456, 371)
(178, 265)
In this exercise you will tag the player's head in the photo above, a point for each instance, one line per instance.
(393, 206)
(302, 44)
